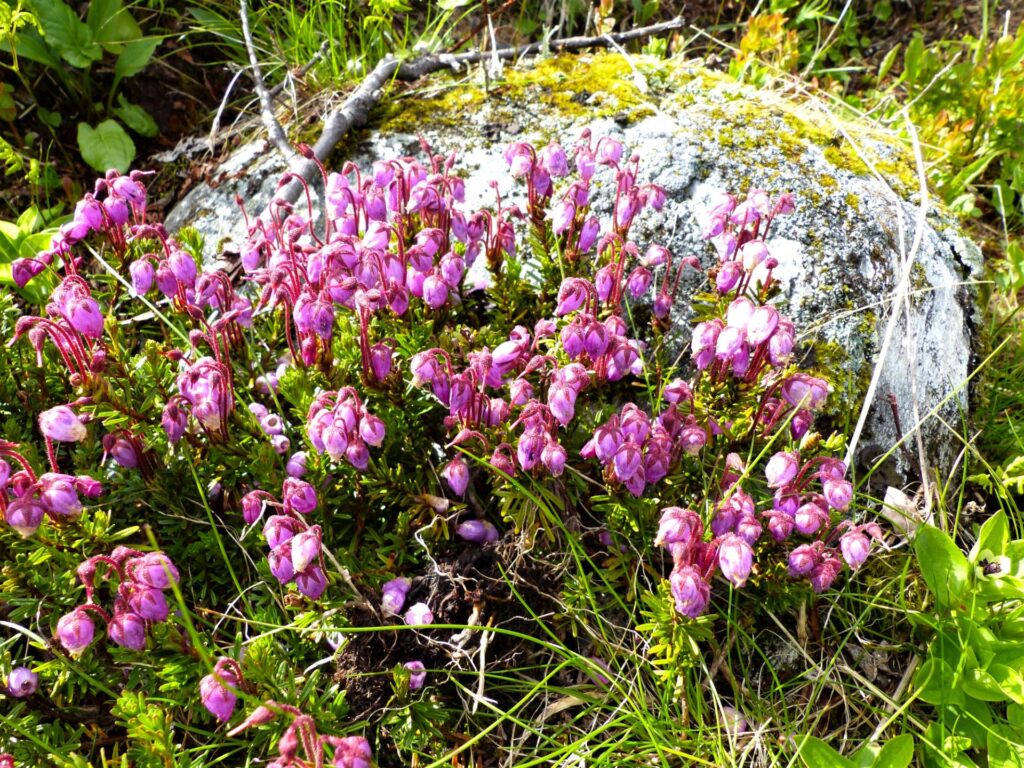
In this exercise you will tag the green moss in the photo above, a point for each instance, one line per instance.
(852, 201)
(827, 182)
(600, 85)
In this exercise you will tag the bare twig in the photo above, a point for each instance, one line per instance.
(302, 71)
(355, 111)
(274, 129)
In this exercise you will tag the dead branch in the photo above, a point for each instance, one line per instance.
(274, 129)
(356, 109)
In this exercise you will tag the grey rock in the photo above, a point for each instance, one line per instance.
(694, 131)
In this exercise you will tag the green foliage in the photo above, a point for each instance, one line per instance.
(70, 52)
(106, 146)
(971, 672)
(967, 97)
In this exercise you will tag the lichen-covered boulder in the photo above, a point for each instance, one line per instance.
(839, 255)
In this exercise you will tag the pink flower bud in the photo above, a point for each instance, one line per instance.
(22, 682)
(298, 496)
(728, 276)
(142, 274)
(393, 595)
(352, 752)
(127, 630)
(75, 631)
(562, 216)
(305, 548)
(855, 547)
(417, 674)
(154, 570)
(589, 233)
(88, 487)
(61, 424)
(24, 515)
(456, 473)
(217, 692)
(690, 591)
(838, 493)
(280, 561)
(781, 469)
(809, 518)
(678, 526)
(803, 559)
(554, 457)
(419, 614)
(371, 430)
(311, 582)
(150, 604)
(735, 558)
(825, 572)
(762, 324)
(380, 360)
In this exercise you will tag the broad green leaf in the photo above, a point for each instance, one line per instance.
(136, 117)
(992, 538)
(30, 45)
(935, 681)
(1009, 680)
(66, 33)
(52, 119)
(134, 58)
(1004, 748)
(942, 564)
(112, 24)
(30, 220)
(897, 752)
(815, 753)
(980, 685)
(106, 146)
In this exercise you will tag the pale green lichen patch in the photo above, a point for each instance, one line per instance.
(586, 86)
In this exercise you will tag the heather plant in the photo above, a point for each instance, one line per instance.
(394, 375)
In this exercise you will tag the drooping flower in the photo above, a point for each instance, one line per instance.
(61, 424)
(22, 682)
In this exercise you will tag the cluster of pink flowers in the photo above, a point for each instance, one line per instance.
(339, 425)
(205, 390)
(637, 451)
(296, 552)
(301, 737)
(138, 603)
(26, 497)
(391, 236)
(736, 529)
(273, 426)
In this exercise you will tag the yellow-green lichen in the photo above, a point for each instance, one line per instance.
(600, 85)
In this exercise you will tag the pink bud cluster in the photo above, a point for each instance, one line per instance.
(736, 529)
(339, 425)
(391, 236)
(273, 426)
(218, 690)
(296, 552)
(637, 452)
(26, 498)
(301, 738)
(204, 389)
(114, 202)
(138, 604)
(74, 323)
